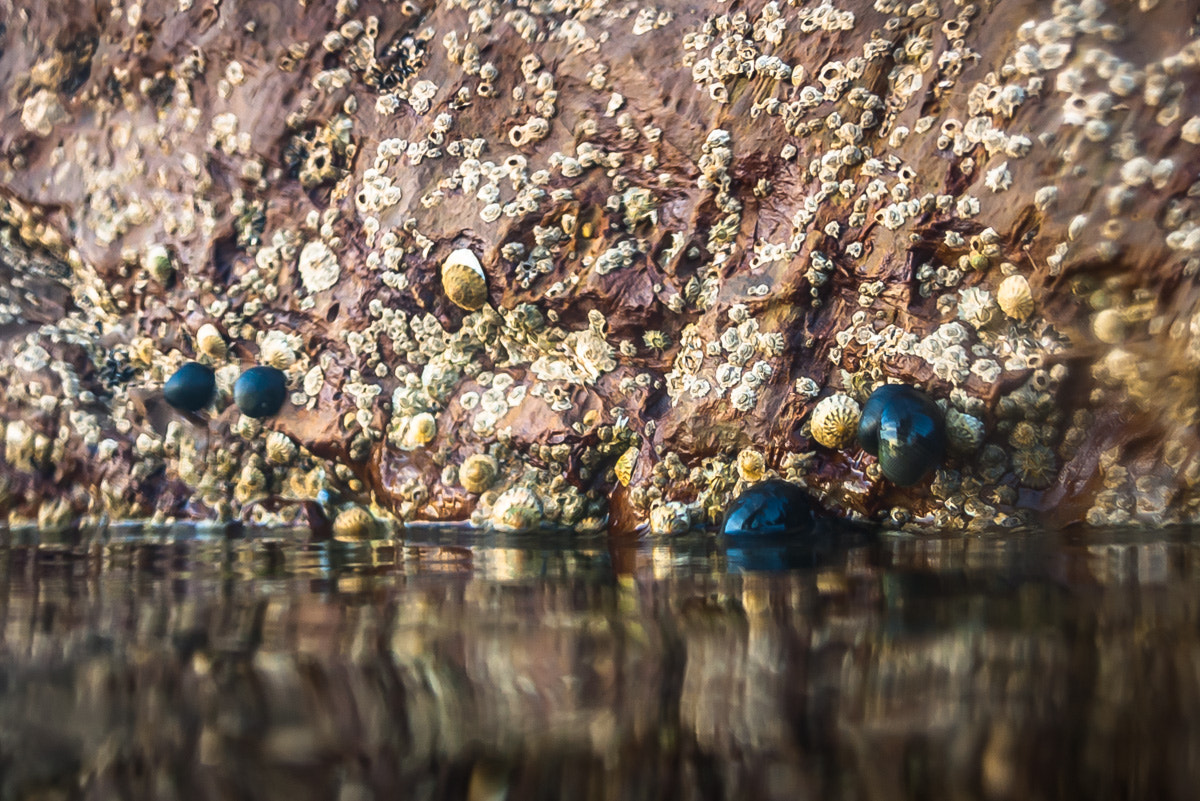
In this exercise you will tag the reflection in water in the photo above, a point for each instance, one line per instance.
(184, 666)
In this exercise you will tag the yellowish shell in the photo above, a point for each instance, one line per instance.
(517, 509)
(751, 465)
(464, 280)
(835, 421)
(210, 342)
(478, 472)
(625, 465)
(1109, 327)
(280, 448)
(1015, 297)
(421, 429)
(670, 518)
(353, 523)
(276, 351)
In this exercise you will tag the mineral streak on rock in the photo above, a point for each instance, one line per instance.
(697, 221)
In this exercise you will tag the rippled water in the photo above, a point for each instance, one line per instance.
(189, 664)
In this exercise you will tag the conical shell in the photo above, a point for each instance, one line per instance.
(353, 523)
(835, 421)
(464, 281)
(1015, 297)
(478, 472)
(625, 465)
(210, 342)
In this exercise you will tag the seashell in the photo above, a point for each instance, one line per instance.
(260, 391)
(276, 351)
(771, 507)
(478, 472)
(1109, 327)
(964, 432)
(670, 518)
(280, 448)
(319, 269)
(835, 421)
(157, 262)
(191, 387)
(464, 280)
(625, 465)
(420, 430)
(210, 342)
(19, 445)
(1015, 297)
(905, 429)
(1035, 466)
(314, 379)
(354, 523)
(517, 509)
(752, 465)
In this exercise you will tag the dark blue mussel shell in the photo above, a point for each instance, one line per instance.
(906, 430)
(191, 387)
(260, 391)
(769, 508)
(776, 525)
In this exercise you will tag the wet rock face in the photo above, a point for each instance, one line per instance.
(692, 226)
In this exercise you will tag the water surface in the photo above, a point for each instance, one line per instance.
(181, 664)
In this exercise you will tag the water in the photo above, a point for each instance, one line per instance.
(190, 665)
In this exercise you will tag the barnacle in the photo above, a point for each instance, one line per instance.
(210, 342)
(1034, 466)
(464, 280)
(835, 421)
(280, 448)
(964, 432)
(516, 509)
(478, 472)
(751, 465)
(319, 269)
(669, 518)
(1015, 297)
(354, 523)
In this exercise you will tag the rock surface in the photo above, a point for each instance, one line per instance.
(695, 222)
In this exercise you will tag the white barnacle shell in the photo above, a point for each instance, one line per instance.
(420, 431)
(835, 421)
(276, 351)
(976, 306)
(1015, 297)
(210, 342)
(314, 379)
(319, 269)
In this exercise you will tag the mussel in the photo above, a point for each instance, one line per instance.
(907, 431)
